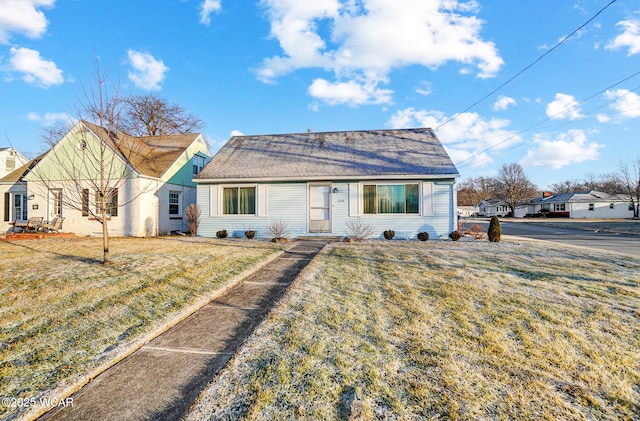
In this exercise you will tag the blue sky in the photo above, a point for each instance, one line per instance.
(285, 66)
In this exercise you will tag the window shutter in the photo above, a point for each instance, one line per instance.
(7, 206)
(354, 199)
(262, 201)
(214, 210)
(427, 199)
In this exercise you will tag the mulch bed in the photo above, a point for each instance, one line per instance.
(34, 235)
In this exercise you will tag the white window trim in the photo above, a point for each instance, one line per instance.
(221, 213)
(179, 214)
(421, 198)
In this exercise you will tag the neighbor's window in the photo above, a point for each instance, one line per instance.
(558, 207)
(612, 206)
(591, 207)
(56, 202)
(85, 202)
(111, 204)
(198, 164)
(239, 200)
(174, 203)
(390, 198)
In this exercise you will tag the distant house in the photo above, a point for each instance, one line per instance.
(493, 207)
(401, 180)
(591, 204)
(467, 211)
(10, 160)
(151, 200)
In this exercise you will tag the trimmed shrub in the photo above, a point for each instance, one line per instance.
(455, 235)
(222, 234)
(423, 236)
(389, 234)
(494, 230)
(250, 234)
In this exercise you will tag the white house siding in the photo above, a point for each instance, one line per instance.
(600, 210)
(288, 201)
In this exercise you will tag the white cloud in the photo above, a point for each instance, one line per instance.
(564, 106)
(503, 103)
(50, 119)
(35, 69)
(366, 40)
(568, 148)
(424, 88)
(147, 72)
(206, 8)
(626, 103)
(629, 38)
(22, 17)
(236, 133)
(351, 93)
(469, 137)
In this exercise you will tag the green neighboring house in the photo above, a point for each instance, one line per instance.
(151, 188)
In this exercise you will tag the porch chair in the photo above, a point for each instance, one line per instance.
(55, 225)
(32, 225)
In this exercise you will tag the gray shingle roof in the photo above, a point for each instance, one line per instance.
(349, 154)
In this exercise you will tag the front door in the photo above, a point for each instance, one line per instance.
(319, 207)
(19, 207)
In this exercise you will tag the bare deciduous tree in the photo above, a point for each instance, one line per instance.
(89, 163)
(150, 115)
(629, 178)
(514, 186)
(472, 191)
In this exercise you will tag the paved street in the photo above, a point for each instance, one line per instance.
(622, 243)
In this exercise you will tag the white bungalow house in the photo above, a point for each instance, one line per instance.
(10, 160)
(591, 204)
(316, 183)
(154, 189)
(493, 207)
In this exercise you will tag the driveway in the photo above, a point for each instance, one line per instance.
(621, 243)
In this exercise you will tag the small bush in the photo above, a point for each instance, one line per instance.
(476, 231)
(423, 236)
(455, 235)
(389, 234)
(359, 230)
(250, 234)
(193, 213)
(494, 230)
(222, 234)
(278, 228)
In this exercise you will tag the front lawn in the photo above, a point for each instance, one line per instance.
(443, 330)
(63, 315)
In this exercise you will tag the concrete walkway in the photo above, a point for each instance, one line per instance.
(162, 379)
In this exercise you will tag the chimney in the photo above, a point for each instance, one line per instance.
(546, 194)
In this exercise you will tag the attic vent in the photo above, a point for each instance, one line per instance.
(82, 144)
(11, 163)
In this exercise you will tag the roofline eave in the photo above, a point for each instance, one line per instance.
(325, 178)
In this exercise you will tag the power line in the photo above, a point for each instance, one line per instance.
(546, 53)
(600, 92)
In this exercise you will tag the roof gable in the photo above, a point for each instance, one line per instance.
(371, 153)
(149, 155)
